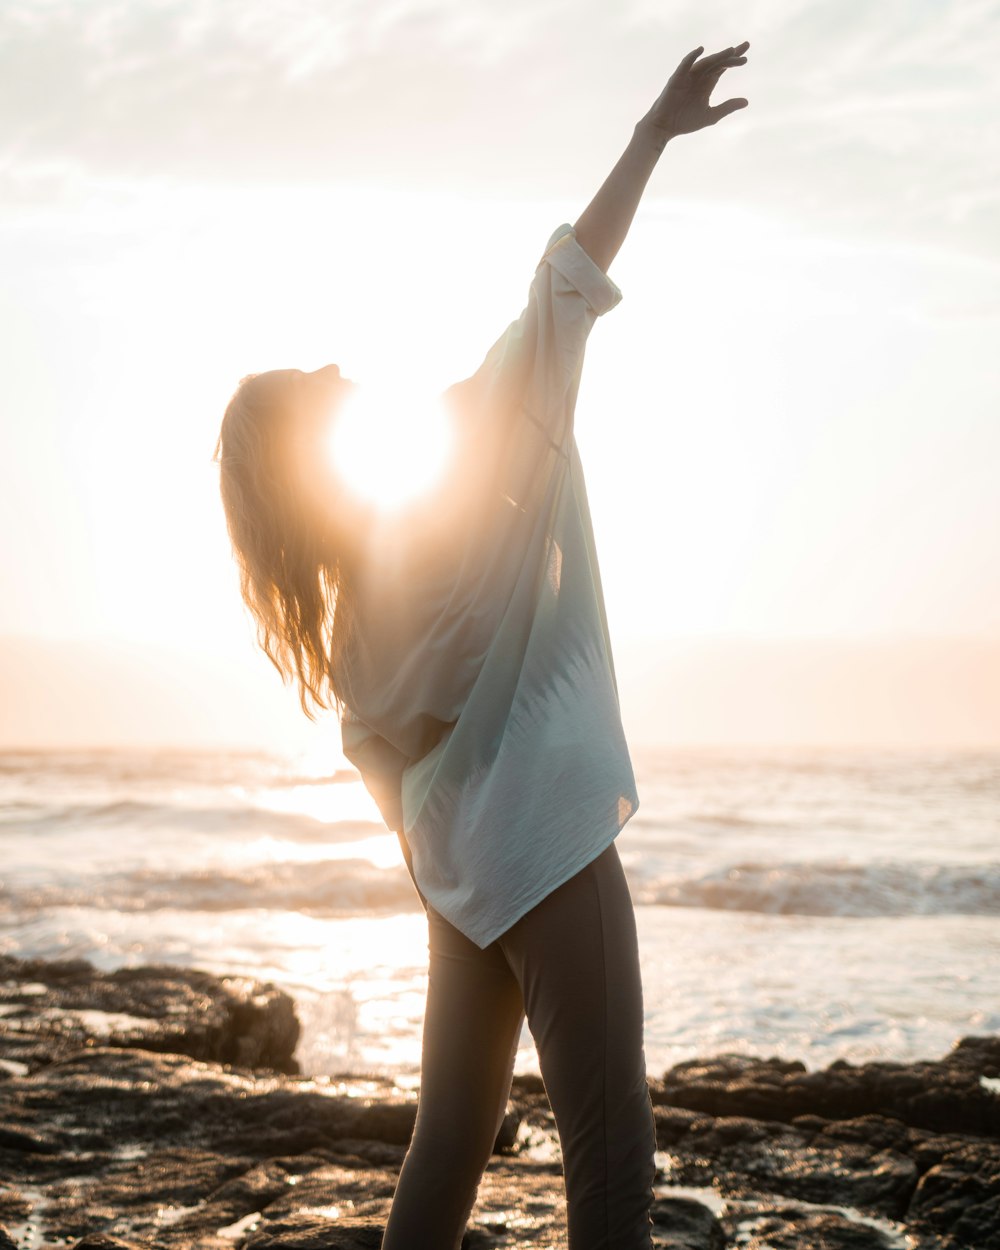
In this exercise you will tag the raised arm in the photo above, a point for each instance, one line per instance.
(527, 384)
(681, 108)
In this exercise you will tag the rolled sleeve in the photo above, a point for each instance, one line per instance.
(569, 292)
(568, 259)
(521, 400)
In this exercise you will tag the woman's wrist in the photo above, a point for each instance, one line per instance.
(648, 134)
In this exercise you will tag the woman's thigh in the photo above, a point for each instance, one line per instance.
(472, 1023)
(576, 957)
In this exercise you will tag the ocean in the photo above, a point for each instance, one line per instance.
(807, 903)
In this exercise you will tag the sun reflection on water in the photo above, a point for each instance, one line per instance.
(337, 800)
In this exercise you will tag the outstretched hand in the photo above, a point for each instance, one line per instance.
(683, 104)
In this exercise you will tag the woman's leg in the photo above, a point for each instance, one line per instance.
(576, 956)
(472, 1024)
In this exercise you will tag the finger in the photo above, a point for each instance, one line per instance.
(713, 59)
(730, 64)
(710, 62)
(690, 59)
(717, 112)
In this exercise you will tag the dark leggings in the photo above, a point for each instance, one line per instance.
(572, 965)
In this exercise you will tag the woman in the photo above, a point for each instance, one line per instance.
(464, 642)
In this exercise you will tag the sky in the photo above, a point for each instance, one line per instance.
(789, 426)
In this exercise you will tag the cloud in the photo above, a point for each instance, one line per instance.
(866, 118)
(256, 90)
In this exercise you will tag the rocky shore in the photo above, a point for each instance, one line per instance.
(163, 1107)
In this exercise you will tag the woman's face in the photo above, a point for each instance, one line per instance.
(315, 396)
(311, 402)
(308, 403)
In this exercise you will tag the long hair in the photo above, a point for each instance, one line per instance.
(294, 575)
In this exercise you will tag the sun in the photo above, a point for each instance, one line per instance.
(390, 446)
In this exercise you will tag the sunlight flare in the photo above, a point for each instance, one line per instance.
(390, 446)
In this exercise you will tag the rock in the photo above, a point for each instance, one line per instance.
(27, 1142)
(482, 1239)
(786, 1228)
(258, 1187)
(52, 1008)
(100, 1241)
(684, 1224)
(305, 1233)
(527, 1083)
(507, 1136)
(13, 1206)
(944, 1095)
(335, 1190)
(108, 1145)
(960, 1195)
(388, 1122)
(674, 1123)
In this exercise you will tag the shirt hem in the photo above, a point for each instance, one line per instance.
(536, 896)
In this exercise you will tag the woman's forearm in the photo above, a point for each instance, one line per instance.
(681, 107)
(602, 226)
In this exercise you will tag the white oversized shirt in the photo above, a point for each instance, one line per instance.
(483, 708)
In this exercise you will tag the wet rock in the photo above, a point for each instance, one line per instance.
(674, 1123)
(129, 1192)
(778, 1160)
(960, 1195)
(788, 1228)
(944, 1095)
(684, 1224)
(53, 1007)
(98, 1097)
(482, 1239)
(508, 1130)
(308, 1233)
(100, 1241)
(258, 1187)
(108, 1145)
(387, 1122)
(527, 1084)
(334, 1190)
(13, 1206)
(27, 1142)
